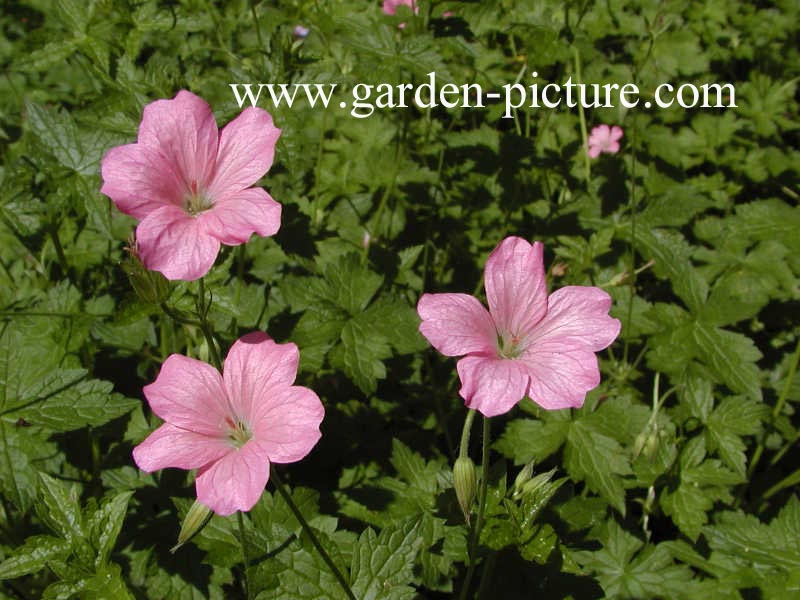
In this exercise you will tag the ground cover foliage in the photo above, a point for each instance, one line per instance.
(677, 479)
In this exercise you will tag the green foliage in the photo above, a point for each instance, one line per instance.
(677, 477)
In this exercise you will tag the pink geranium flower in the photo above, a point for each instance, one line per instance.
(528, 343)
(390, 6)
(604, 139)
(189, 184)
(231, 426)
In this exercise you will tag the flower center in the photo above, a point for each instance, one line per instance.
(196, 200)
(509, 346)
(238, 433)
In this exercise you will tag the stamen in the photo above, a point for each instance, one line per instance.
(239, 433)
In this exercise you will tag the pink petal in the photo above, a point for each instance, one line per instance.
(515, 286)
(456, 324)
(246, 151)
(561, 373)
(183, 130)
(492, 385)
(236, 481)
(390, 6)
(189, 394)
(594, 151)
(170, 446)
(616, 133)
(172, 242)
(139, 180)
(612, 147)
(600, 133)
(287, 423)
(255, 368)
(577, 315)
(235, 218)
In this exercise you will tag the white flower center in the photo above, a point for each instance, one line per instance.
(196, 200)
(238, 432)
(509, 346)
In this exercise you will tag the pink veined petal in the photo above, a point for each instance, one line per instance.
(255, 368)
(184, 131)
(246, 151)
(189, 394)
(594, 151)
(287, 423)
(561, 373)
(139, 180)
(235, 218)
(616, 133)
(491, 385)
(170, 446)
(515, 286)
(177, 245)
(236, 481)
(457, 324)
(577, 315)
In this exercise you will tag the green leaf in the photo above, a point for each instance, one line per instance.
(33, 556)
(59, 508)
(526, 439)
(363, 353)
(731, 357)
(734, 417)
(599, 460)
(382, 566)
(106, 523)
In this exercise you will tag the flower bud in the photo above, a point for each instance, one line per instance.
(197, 517)
(465, 481)
(151, 286)
(523, 476)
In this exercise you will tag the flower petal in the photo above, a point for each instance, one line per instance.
(615, 134)
(183, 130)
(255, 368)
(246, 151)
(287, 423)
(235, 218)
(594, 151)
(189, 394)
(456, 324)
(236, 481)
(492, 385)
(170, 446)
(139, 180)
(577, 315)
(515, 286)
(561, 372)
(172, 242)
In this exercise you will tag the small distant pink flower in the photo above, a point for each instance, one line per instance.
(604, 139)
(190, 185)
(528, 343)
(300, 32)
(231, 426)
(447, 14)
(390, 6)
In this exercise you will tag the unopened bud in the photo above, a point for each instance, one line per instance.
(533, 485)
(151, 286)
(465, 481)
(524, 475)
(197, 517)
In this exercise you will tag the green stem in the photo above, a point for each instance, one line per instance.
(276, 479)
(245, 553)
(464, 448)
(787, 386)
(202, 312)
(475, 533)
(582, 117)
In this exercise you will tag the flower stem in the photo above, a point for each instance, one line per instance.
(276, 479)
(245, 553)
(202, 312)
(464, 448)
(475, 533)
(582, 117)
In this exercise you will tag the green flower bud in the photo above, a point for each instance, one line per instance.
(465, 481)
(151, 286)
(524, 475)
(197, 517)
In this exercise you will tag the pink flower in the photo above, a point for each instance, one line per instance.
(390, 6)
(300, 32)
(231, 426)
(190, 184)
(527, 343)
(604, 139)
